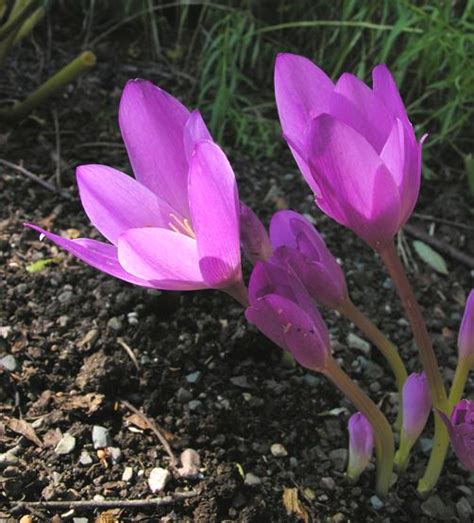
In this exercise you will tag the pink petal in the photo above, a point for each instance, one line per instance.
(281, 232)
(302, 92)
(115, 202)
(401, 155)
(167, 258)
(357, 188)
(385, 89)
(99, 255)
(152, 124)
(194, 131)
(355, 104)
(215, 213)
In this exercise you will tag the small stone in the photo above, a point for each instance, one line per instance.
(339, 458)
(127, 474)
(9, 363)
(464, 510)
(328, 483)
(98, 497)
(426, 445)
(8, 458)
(85, 458)
(241, 381)
(115, 455)
(376, 502)
(158, 479)
(194, 405)
(251, 480)
(434, 508)
(66, 444)
(114, 324)
(80, 520)
(190, 463)
(100, 437)
(354, 342)
(27, 518)
(66, 297)
(278, 450)
(183, 395)
(311, 380)
(194, 377)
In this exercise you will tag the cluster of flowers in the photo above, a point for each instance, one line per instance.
(179, 225)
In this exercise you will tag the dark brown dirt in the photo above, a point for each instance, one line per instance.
(67, 324)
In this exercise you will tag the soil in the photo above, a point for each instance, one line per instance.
(83, 343)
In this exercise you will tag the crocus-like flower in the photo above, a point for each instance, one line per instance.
(299, 245)
(461, 431)
(361, 445)
(281, 308)
(466, 331)
(176, 225)
(354, 145)
(253, 236)
(417, 405)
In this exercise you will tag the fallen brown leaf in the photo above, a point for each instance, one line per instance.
(22, 427)
(293, 505)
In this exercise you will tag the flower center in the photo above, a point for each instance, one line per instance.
(181, 226)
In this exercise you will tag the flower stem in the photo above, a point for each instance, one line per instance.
(440, 445)
(376, 336)
(384, 445)
(428, 359)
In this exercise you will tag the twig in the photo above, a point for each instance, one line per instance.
(129, 351)
(58, 147)
(154, 428)
(36, 179)
(106, 503)
(430, 218)
(440, 245)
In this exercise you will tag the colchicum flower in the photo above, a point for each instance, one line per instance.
(176, 225)
(361, 445)
(354, 145)
(466, 331)
(283, 311)
(298, 245)
(416, 406)
(253, 236)
(461, 431)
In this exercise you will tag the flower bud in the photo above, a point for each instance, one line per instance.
(361, 445)
(417, 405)
(298, 245)
(253, 236)
(461, 431)
(282, 310)
(466, 331)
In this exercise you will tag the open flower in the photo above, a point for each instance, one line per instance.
(466, 331)
(361, 445)
(282, 309)
(298, 245)
(176, 225)
(461, 431)
(354, 145)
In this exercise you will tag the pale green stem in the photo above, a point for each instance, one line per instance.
(383, 344)
(384, 445)
(440, 446)
(61, 79)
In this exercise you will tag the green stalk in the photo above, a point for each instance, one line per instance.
(427, 356)
(376, 336)
(20, 13)
(384, 445)
(61, 79)
(428, 359)
(438, 452)
(30, 24)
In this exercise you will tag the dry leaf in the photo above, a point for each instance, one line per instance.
(89, 402)
(22, 427)
(138, 421)
(109, 516)
(293, 505)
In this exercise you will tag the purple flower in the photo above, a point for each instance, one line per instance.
(176, 225)
(253, 236)
(417, 404)
(461, 431)
(298, 245)
(281, 308)
(361, 445)
(354, 145)
(466, 331)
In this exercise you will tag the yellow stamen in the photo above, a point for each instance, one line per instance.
(182, 226)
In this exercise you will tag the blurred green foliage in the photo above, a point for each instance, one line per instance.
(229, 48)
